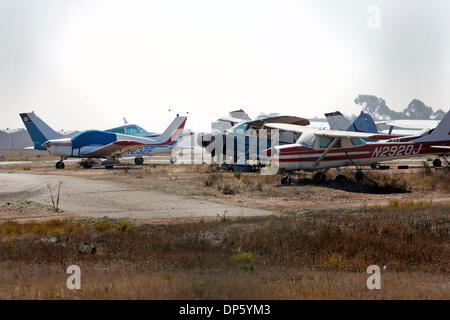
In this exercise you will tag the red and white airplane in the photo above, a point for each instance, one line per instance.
(324, 149)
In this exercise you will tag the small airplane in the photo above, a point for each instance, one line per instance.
(244, 128)
(95, 144)
(324, 149)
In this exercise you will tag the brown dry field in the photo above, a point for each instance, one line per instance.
(317, 244)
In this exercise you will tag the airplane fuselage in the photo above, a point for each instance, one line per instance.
(298, 157)
(72, 147)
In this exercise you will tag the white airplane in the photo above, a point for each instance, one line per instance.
(244, 133)
(324, 149)
(95, 144)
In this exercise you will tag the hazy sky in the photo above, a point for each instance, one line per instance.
(87, 64)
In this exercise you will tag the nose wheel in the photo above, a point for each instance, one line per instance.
(341, 179)
(319, 177)
(59, 165)
(139, 161)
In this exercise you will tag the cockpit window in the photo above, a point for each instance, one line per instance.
(357, 141)
(242, 128)
(307, 139)
(119, 130)
(324, 142)
(141, 130)
(132, 130)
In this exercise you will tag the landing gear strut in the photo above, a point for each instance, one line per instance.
(139, 161)
(359, 176)
(286, 180)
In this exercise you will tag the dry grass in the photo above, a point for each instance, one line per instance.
(122, 281)
(20, 154)
(304, 255)
(426, 179)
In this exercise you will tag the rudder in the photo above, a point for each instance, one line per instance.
(38, 130)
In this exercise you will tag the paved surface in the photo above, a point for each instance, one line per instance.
(103, 198)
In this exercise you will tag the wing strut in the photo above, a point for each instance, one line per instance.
(324, 153)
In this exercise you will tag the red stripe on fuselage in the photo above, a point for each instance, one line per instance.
(375, 150)
(128, 143)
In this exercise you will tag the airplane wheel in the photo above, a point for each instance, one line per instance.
(341, 179)
(374, 166)
(319, 177)
(59, 165)
(437, 163)
(109, 167)
(87, 165)
(139, 161)
(359, 176)
(286, 180)
(173, 159)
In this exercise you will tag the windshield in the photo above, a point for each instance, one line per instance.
(141, 130)
(242, 128)
(132, 130)
(307, 139)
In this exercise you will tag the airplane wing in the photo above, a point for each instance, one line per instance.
(328, 133)
(281, 119)
(115, 148)
(233, 121)
(410, 124)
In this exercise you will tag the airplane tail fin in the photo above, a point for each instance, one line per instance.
(364, 123)
(173, 131)
(337, 121)
(440, 133)
(38, 130)
(240, 114)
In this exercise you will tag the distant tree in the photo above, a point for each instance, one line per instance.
(438, 114)
(377, 107)
(418, 110)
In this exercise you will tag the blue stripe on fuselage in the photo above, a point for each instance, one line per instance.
(93, 137)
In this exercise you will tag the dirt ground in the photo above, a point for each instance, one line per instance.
(179, 192)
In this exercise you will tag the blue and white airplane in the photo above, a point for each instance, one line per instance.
(95, 144)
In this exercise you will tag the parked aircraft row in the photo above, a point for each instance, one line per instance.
(299, 145)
